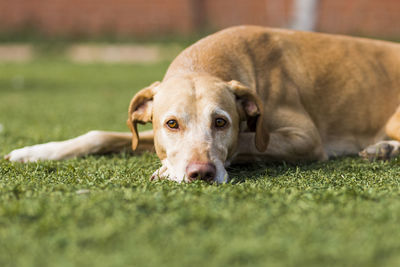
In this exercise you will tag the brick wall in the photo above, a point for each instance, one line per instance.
(152, 17)
(223, 13)
(97, 16)
(364, 17)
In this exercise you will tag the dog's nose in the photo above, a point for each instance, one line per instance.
(201, 171)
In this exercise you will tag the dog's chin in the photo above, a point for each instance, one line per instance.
(163, 173)
(222, 175)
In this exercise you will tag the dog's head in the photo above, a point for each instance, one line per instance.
(196, 121)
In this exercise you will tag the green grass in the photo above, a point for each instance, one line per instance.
(103, 211)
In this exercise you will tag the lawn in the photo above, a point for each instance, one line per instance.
(103, 211)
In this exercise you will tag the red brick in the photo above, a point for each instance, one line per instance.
(151, 17)
(374, 17)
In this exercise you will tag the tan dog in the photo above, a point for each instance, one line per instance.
(254, 93)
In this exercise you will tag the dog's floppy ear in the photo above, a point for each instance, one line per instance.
(251, 108)
(141, 110)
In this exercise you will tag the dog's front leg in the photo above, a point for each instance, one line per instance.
(285, 144)
(93, 142)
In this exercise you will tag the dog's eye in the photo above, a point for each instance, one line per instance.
(173, 124)
(220, 123)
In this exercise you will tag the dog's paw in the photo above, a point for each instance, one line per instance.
(159, 174)
(383, 150)
(34, 153)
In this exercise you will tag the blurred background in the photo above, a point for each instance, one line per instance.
(184, 17)
(180, 20)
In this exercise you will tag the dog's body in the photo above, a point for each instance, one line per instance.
(249, 93)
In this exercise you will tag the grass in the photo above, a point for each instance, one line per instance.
(103, 211)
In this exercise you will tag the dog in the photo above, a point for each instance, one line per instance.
(251, 93)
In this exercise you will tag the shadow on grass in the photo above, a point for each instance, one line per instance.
(240, 173)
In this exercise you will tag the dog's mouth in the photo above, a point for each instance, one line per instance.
(209, 173)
